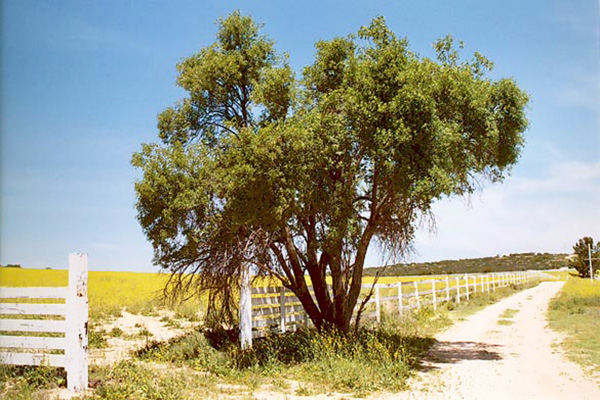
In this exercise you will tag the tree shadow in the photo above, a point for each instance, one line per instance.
(455, 352)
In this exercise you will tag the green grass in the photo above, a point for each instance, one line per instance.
(25, 383)
(509, 313)
(505, 317)
(576, 312)
(505, 322)
(366, 361)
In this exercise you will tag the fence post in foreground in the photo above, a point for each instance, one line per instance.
(417, 294)
(76, 334)
(245, 309)
(457, 289)
(377, 304)
(282, 309)
(467, 285)
(434, 295)
(447, 289)
(400, 298)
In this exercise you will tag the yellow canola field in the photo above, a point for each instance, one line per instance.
(109, 292)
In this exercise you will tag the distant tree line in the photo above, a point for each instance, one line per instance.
(511, 262)
(11, 266)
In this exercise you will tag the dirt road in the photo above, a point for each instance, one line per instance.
(481, 358)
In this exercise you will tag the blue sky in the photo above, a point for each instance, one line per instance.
(83, 81)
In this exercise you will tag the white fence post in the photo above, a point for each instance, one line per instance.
(417, 294)
(76, 334)
(377, 305)
(282, 309)
(434, 295)
(458, 289)
(246, 308)
(447, 289)
(400, 298)
(467, 285)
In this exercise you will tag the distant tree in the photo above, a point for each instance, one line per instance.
(580, 258)
(12, 266)
(298, 178)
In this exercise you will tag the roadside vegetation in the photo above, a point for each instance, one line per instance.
(576, 312)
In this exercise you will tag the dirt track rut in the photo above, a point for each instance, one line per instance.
(482, 359)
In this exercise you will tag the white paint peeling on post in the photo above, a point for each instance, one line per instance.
(282, 309)
(400, 305)
(246, 308)
(377, 304)
(434, 295)
(457, 289)
(76, 334)
(417, 293)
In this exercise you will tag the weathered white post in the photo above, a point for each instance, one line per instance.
(400, 298)
(482, 284)
(246, 308)
(282, 309)
(447, 289)
(467, 285)
(377, 306)
(434, 295)
(76, 334)
(457, 289)
(417, 294)
(487, 281)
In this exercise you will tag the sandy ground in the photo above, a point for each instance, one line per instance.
(480, 359)
(131, 324)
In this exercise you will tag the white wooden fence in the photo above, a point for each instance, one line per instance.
(19, 347)
(266, 310)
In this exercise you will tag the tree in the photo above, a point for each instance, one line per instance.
(580, 260)
(298, 177)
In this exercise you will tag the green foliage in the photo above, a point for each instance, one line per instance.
(12, 266)
(23, 383)
(581, 257)
(97, 338)
(297, 177)
(130, 380)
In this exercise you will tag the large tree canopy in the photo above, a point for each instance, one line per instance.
(298, 177)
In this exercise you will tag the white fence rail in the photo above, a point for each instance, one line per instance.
(266, 310)
(24, 324)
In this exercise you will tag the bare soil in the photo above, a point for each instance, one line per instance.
(133, 338)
